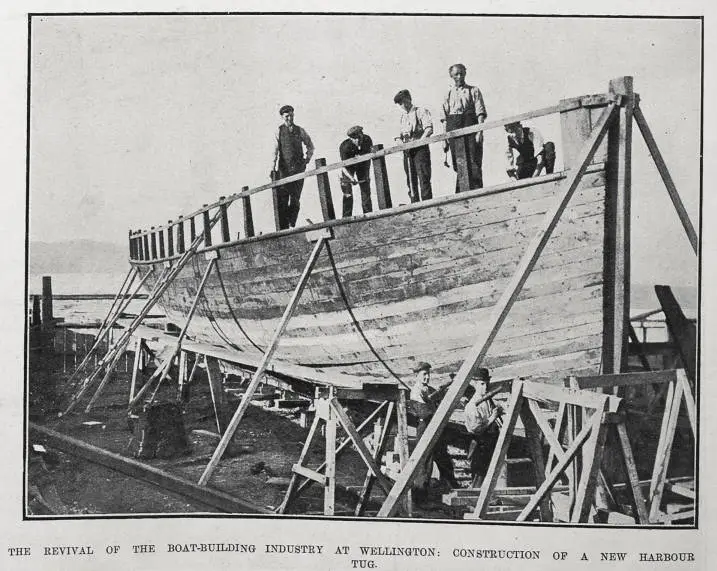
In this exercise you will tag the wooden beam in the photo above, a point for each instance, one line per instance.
(219, 399)
(616, 315)
(631, 469)
(268, 354)
(625, 379)
(383, 188)
(689, 399)
(330, 458)
(294, 477)
(379, 449)
(248, 216)
(215, 499)
(488, 333)
(529, 415)
(683, 331)
(325, 199)
(309, 473)
(666, 177)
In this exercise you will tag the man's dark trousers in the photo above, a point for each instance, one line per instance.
(348, 197)
(417, 164)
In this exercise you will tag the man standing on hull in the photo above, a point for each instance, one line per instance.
(289, 160)
(358, 143)
(416, 123)
(463, 107)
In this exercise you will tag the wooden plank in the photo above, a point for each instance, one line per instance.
(530, 422)
(309, 474)
(290, 491)
(379, 450)
(617, 232)
(212, 498)
(548, 393)
(234, 422)
(666, 177)
(402, 442)
(625, 379)
(689, 399)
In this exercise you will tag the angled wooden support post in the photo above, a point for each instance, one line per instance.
(291, 491)
(666, 177)
(592, 458)
(682, 329)
(486, 336)
(268, 354)
(642, 516)
(379, 449)
(178, 346)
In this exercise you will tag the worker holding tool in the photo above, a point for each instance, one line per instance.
(358, 143)
(424, 400)
(525, 151)
(482, 420)
(416, 123)
(463, 106)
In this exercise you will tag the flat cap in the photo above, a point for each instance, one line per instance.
(401, 95)
(286, 109)
(483, 374)
(422, 366)
(355, 131)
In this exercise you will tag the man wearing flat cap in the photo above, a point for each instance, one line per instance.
(289, 160)
(416, 124)
(358, 143)
(424, 400)
(482, 417)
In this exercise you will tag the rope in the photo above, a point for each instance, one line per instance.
(353, 317)
(231, 311)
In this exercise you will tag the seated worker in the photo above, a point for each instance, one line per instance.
(358, 143)
(525, 151)
(481, 420)
(424, 400)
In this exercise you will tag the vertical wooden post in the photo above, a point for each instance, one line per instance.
(36, 315)
(161, 243)
(592, 458)
(528, 415)
(180, 235)
(145, 241)
(330, 482)
(383, 190)
(402, 437)
(207, 228)
(47, 316)
(248, 217)
(616, 291)
(170, 239)
(153, 243)
(275, 203)
(217, 391)
(136, 367)
(192, 229)
(131, 246)
(462, 164)
(327, 203)
(224, 220)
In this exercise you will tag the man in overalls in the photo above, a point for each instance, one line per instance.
(463, 107)
(288, 160)
(525, 151)
(416, 123)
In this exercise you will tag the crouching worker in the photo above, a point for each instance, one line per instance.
(423, 401)
(482, 418)
(525, 151)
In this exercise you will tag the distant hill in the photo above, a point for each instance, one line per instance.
(77, 256)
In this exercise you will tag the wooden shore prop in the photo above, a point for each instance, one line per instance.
(574, 273)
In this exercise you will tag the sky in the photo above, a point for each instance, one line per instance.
(137, 119)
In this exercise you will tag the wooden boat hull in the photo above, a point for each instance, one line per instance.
(415, 283)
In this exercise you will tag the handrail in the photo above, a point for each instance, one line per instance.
(598, 100)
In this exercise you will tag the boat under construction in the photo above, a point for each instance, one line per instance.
(528, 278)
